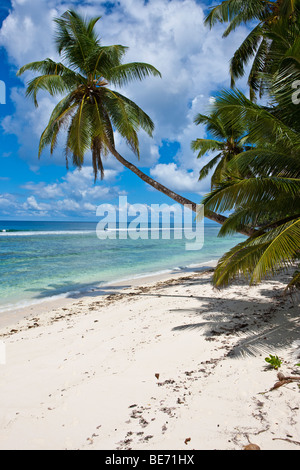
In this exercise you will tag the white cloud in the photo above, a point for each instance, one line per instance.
(170, 34)
(7, 202)
(75, 194)
(45, 191)
(31, 204)
(177, 178)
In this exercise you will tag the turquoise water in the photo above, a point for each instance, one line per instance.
(39, 260)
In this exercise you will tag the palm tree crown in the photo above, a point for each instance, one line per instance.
(227, 141)
(262, 192)
(258, 44)
(91, 110)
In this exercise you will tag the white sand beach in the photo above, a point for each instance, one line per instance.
(168, 363)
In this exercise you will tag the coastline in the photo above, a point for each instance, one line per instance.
(12, 313)
(167, 363)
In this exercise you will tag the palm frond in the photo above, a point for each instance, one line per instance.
(213, 124)
(75, 38)
(102, 59)
(45, 67)
(270, 161)
(53, 84)
(60, 115)
(125, 73)
(97, 149)
(256, 258)
(245, 53)
(239, 261)
(282, 250)
(209, 166)
(202, 146)
(237, 12)
(246, 192)
(235, 109)
(80, 133)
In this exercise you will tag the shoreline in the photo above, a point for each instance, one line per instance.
(167, 364)
(14, 313)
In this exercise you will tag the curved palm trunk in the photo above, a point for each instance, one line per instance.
(220, 219)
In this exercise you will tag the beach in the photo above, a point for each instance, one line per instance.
(165, 362)
(149, 226)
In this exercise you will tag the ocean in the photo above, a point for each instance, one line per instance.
(43, 260)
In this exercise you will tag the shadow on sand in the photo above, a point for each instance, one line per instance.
(263, 327)
(73, 290)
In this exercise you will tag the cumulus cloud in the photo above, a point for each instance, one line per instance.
(170, 34)
(32, 204)
(176, 178)
(75, 195)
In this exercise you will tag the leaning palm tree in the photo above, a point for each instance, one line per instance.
(258, 44)
(227, 141)
(91, 110)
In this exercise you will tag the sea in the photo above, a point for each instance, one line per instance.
(46, 260)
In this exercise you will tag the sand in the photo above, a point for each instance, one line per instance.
(170, 364)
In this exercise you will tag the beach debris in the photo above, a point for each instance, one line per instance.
(297, 443)
(164, 428)
(157, 376)
(251, 447)
(143, 422)
(168, 411)
(166, 382)
(187, 440)
(283, 380)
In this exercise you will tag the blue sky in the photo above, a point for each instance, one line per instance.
(166, 33)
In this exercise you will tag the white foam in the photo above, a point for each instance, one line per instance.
(79, 292)
(42, 233)
(4, 233)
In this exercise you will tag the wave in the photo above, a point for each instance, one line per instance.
(22, 233)
(30, 233)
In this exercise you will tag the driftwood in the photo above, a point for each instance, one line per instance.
(287, 440)
(283, 380)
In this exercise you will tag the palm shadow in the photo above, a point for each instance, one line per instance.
(262, 327)
(73, 290)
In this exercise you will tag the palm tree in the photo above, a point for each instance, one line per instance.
(264, 185)
(258, 44)
(227, 142)
(272, 190)
(90, 110)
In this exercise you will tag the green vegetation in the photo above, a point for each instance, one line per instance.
(91, 111)
(274, 361)
(255, 166)
(260, 185)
